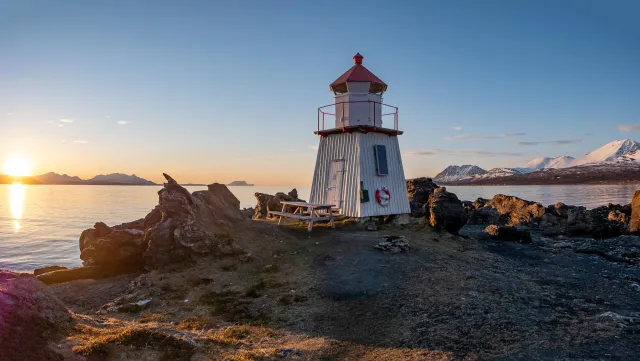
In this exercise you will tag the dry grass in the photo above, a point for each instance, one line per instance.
(101, 341)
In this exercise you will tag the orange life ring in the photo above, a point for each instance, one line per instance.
(383, 196)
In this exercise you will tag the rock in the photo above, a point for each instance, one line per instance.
(517, 211)
(368, 223)
(445, 211)
(30, 317)
(190, 224)
(479, 203)
(87, 272)
(248, 212)
(419, 190)
(393, 244)
(634, 223)
(621, 249)
(508, 233)
(267, 202)
(485, 215)
(552, 225)
(43, 270)
(119, 247)
(559, 210)
(601, 222)
(154, 217)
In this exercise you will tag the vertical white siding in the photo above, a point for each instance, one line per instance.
(394, 181)
(338, 146)
(356, 149)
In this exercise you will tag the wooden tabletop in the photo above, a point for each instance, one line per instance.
(309, 205)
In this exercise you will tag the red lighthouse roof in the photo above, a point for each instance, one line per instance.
(358, 73)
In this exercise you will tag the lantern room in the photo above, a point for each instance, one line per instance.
(357, 101)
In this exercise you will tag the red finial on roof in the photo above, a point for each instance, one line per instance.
(357, 59)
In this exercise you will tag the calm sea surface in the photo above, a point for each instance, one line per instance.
(40, 224)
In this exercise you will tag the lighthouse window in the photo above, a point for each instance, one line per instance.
(382, 167)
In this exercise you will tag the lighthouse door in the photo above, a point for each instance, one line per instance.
(336, 178)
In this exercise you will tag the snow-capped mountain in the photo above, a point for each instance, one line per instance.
(454, 173)
(497, 173)
(615, 162)
(609, 152)
(562, 161)
(546, 163)
(536, 163)
(119, 178)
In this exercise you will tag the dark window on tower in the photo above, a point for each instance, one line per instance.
(382, 167)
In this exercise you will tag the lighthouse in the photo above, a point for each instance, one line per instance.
(359, 164)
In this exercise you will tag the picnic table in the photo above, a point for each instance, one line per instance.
(306, 212)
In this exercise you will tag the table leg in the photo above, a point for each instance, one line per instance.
(311, 217)
(333, 225)
(284, 207)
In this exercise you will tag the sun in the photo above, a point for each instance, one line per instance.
(17, 167)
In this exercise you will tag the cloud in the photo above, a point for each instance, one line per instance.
(463, 152)
(314, 147)
(628, 127)
(123, 122)
(457, 128)
(479, 136)
(561, 141)
(81, 141)
(66, 120)
(60, 125)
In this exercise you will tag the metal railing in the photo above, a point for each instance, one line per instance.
(393, 111)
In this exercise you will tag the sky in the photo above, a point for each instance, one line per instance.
(229, 90)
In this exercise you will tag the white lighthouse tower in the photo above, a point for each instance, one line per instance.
(359, 164)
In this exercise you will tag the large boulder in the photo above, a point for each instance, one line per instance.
(517, 211)
(268, 202)
(31, 318)
(446, 211)
(117, 247)
(190, 224)
(485, 215)
(634, 223)
(419, 191)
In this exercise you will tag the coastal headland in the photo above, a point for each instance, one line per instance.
(198, 278)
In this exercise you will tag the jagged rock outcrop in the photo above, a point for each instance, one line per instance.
(445, 211)
(419, 191)
(190, 224)
(601, 222)
(634, 222)
(180, 226)
(508, 233)
(30, 315)
(268, 202)
(106, 246)
(516, 211)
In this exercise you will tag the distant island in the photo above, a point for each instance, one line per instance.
(63, 179)
(240, 183)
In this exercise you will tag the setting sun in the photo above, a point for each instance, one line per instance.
(17, 167)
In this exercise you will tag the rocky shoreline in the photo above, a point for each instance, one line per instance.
(206, 230)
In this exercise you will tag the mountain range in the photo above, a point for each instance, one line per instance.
(617, 161)
(55, 178)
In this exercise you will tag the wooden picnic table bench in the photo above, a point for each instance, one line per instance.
(306, 212)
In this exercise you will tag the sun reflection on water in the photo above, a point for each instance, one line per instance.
(16, 201)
